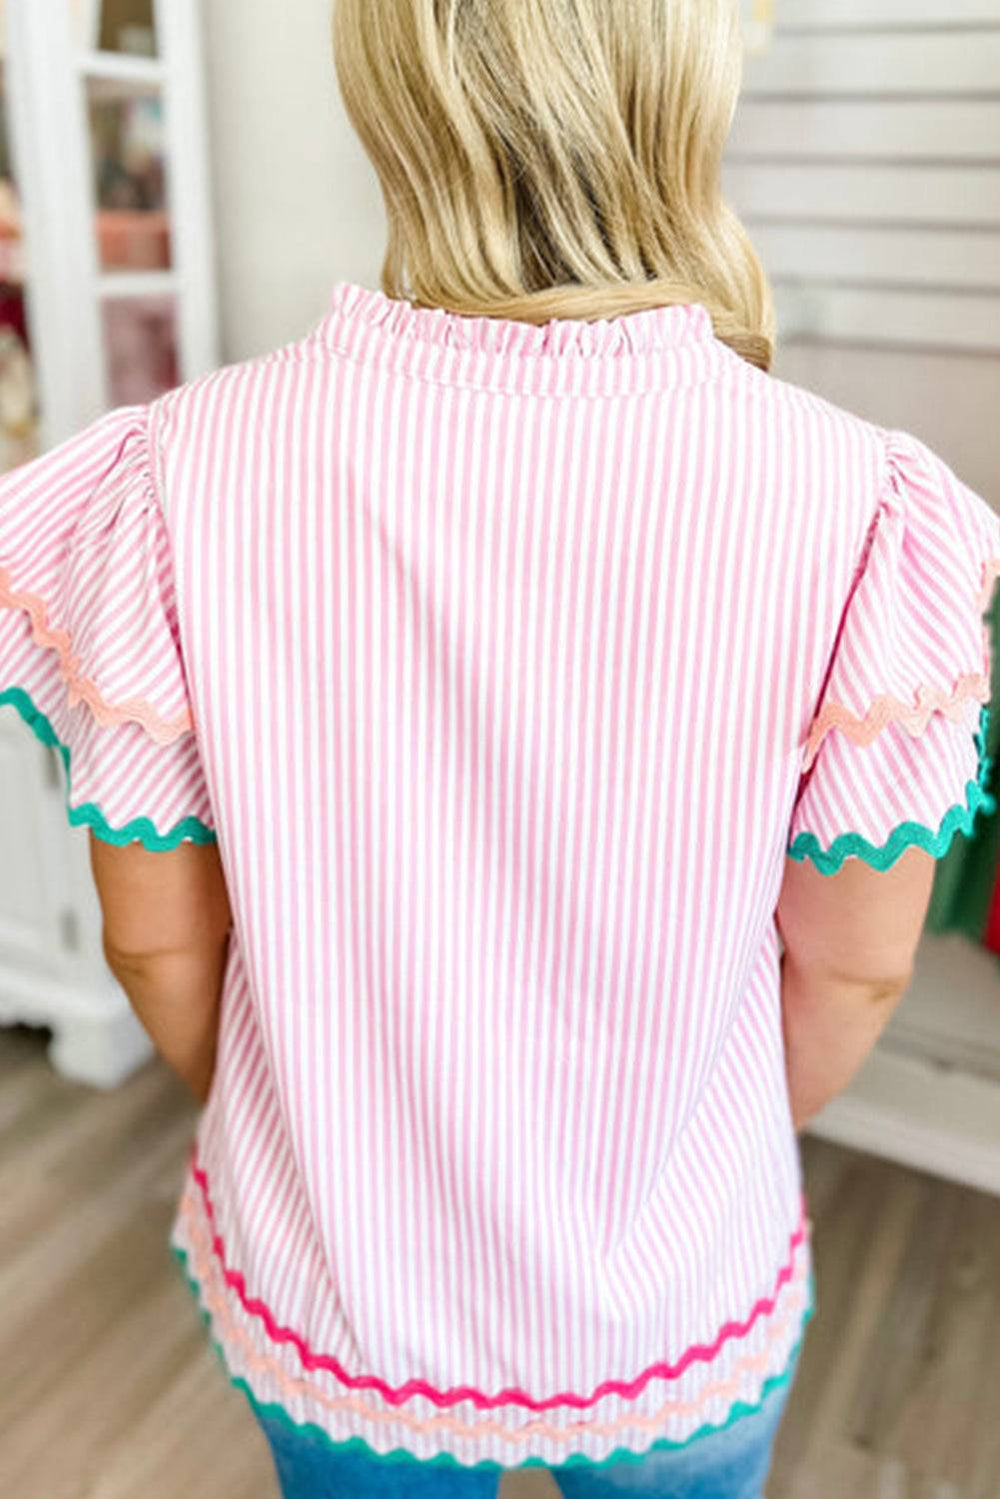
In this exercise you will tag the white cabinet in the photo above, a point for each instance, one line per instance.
(111, 161)
(52, 970)
(105, 224)
(32, 889)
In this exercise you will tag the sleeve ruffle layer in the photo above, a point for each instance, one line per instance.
(896, 753)
(89, 651)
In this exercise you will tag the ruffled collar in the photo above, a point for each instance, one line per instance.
(639, 332)
(674, 344)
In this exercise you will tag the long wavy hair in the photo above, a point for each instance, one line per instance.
(556, 158)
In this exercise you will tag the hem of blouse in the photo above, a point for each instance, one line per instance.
(908, 834)
(81, 688)
(234, 1280)
(89, 814)
(357, 1446)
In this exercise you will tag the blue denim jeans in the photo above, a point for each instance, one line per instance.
(729, 1464)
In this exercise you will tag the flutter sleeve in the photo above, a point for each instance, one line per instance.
(895, 754)
(89, 645)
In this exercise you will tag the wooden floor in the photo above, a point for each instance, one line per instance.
(110, 1390)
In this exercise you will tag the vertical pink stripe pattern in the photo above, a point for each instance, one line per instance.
(500, 640)
(501, 646)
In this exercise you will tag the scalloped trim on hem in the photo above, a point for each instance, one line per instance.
(204, 1269)
(81, 689)
(907, 834)
(356, 1445)
(764, 1306)
(929, 700)
(89, 814)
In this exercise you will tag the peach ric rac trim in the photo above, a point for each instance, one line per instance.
(930, 700)
(209, 1276)
(887, 710)
(80, 689)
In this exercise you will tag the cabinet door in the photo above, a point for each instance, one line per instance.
(32, 861)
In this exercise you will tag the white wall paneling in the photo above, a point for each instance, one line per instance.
(297, 204)
(889, 63)
(828, 15)
(865, 161)
(946, 258)
(875, 131)
(917, 320)
(836, 192)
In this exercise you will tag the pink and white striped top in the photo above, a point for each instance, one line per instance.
(507, 665)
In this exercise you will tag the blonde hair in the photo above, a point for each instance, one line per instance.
(556, 158)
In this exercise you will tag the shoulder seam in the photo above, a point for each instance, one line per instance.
(153, 455)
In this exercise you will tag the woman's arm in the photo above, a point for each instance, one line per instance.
(176, 996)
(850, 941)
(830, 1027)
(166, 934)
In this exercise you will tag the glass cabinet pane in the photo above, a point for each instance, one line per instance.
(140, 339)
(115, 26)
(127, 26)
(126, 128)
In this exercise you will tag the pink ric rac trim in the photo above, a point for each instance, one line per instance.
(929, 700)
(214, 1301)
(627, 1389)
(81, 688)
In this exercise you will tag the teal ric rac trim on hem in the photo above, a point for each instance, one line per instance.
(907, 834)
(357, 1446)
(90, 814)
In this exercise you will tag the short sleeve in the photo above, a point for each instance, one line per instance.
(895, 753)
(89, 645)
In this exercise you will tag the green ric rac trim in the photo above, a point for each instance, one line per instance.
(90, 814)
(956, 819)
(399, 1456)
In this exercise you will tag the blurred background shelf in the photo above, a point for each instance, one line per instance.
(116, 284)
(123, 73)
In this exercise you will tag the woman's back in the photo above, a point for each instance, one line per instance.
(504, 644)
(520, 659)
(507, 665)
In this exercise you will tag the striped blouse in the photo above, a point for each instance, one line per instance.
(507, 665)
